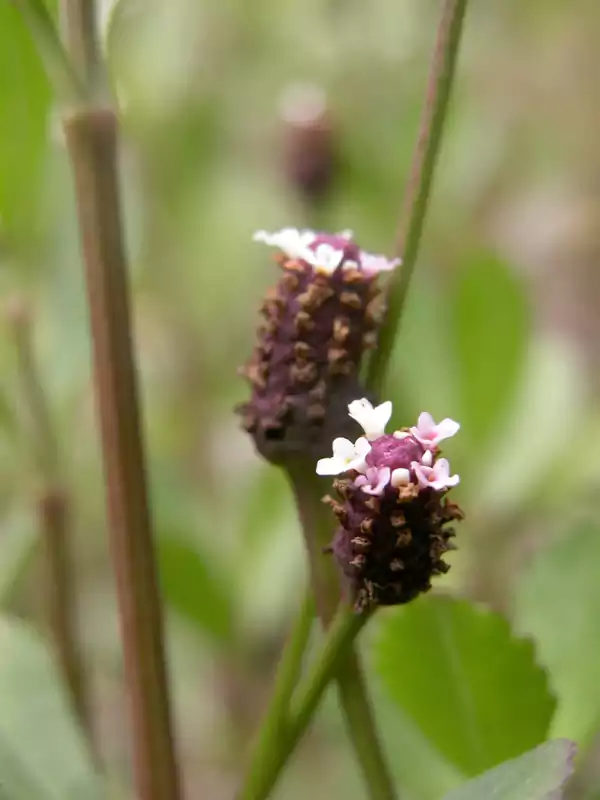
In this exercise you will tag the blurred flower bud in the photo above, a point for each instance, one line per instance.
(308, 155)
(320, 318)
(393, 512)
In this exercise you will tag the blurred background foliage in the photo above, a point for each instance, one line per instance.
(501, 333)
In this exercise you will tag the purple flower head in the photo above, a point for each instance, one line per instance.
(320, 319)
(394, 511)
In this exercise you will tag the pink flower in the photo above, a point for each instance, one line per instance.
(375, 480)
(374, 264)
(437, 477)
(431, 434)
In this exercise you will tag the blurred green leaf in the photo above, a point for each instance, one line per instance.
(473, 688)
(24, 107)
(537, 775)
(42, 753)
(557, 601)
(553, 391)
(490, 329)
(416, 764)
(195, 586)
(427, 382)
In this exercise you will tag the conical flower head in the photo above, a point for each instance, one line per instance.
(392, 508)
(320, 318)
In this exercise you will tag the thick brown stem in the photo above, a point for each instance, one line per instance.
(92, 143)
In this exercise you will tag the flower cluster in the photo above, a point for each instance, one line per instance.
(320, 318)
(394, 509)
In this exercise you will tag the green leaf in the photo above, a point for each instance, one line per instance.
(42, 753)
(557, 602)
(490, 332)
(471, 686)
(195, 587)
(537, 775)
(427, 382)
(24, 107)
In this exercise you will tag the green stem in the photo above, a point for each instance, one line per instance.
(317, 524)
(68, 87)
(59, 590)
(265, 771)
(273, 727)
(420, 181)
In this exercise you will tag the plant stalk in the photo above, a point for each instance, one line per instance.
(53, 511)
(68, 87)
(265, 770)
(356, 708)
(418, 190)
(60, 599)
(273, 728)
(91, 137)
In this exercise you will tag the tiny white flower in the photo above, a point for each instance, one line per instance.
(324, 258)
(372, 263)
(431, 434)
(400, 477)
(372, 420)
(437, 477)
(427, 459)
(290, 240)
(346, 456)
(375, 480)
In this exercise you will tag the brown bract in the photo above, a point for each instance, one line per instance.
(304, 369)
(389, 547)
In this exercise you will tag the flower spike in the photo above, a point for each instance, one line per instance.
(394, 512)
(319, 321)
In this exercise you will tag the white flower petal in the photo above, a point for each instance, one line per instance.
(372, 263)
(401, 434)
(427, 459)
(376, 481)
(291, 241)
(343, 448)
(383, 413)
(362, 446)
(330, 466)
(423, 474)
(446, 428)
(372, 420)
(425, 423)
(400, 477)
(325, 258)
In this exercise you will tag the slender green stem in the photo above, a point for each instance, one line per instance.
(53, 507)
(69, 89)
(420, 181)
(317, 524)
(265, 771)
(274, 725)
(78, 21)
